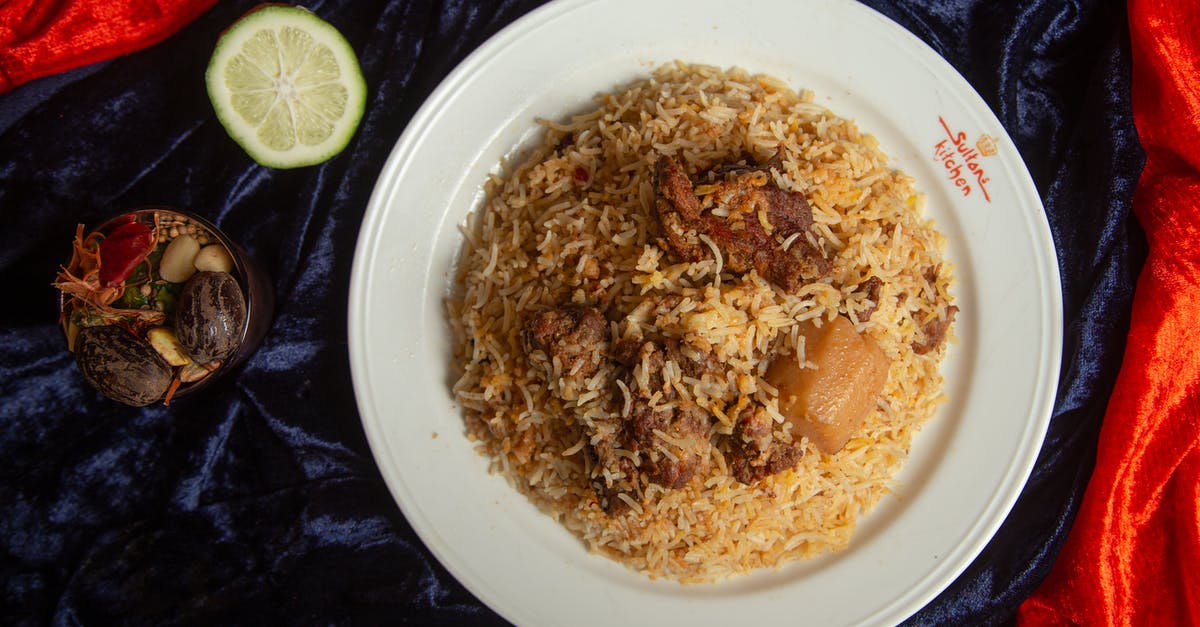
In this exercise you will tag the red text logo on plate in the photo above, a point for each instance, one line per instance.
(961, 160)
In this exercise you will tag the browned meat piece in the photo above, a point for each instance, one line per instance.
(694, 362)
(669, 463)
(871, 287)
(570, 334)
(691, 360)
(624, 351)
(935, 332)
(931, 273)
(755, 453)
(601, 456)
(761, 216)
(669, 434)
(678, 210)
(673, 441)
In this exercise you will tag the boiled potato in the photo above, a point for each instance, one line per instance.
(828, 404)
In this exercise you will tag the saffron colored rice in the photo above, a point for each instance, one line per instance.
(575, 221)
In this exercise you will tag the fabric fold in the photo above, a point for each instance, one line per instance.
(39, 38)
(1130, 556)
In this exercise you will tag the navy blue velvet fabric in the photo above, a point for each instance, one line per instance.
(258, 501)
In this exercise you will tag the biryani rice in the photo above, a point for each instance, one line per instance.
(575, 222)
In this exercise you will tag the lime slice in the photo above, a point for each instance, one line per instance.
(286, 86)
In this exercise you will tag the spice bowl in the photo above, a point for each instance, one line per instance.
(157, 303)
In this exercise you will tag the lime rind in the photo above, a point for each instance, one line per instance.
(301, 121)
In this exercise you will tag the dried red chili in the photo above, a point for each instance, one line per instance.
(122, 250)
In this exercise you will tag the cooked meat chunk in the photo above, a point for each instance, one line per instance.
(602, 458)
(871, 286)
(691, 360)
(761, 218)
(571, 335)
(670, 433)
(673, 442)
(935, 332)
(625, 352)
(931, 274)
(755, 453)
(678, 210)
(694, 362)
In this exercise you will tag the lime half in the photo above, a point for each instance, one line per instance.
(286, 86)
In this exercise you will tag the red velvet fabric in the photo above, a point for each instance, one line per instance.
(42, 37)
(1133, 554)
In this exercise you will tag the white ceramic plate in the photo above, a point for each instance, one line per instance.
(967, 466)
